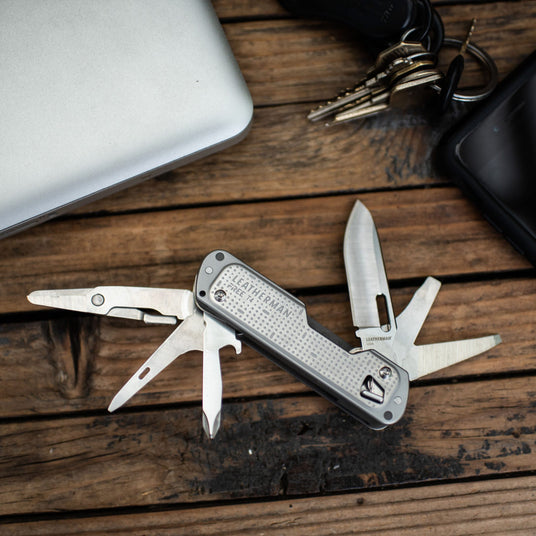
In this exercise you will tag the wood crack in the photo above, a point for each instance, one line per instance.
(72, 343)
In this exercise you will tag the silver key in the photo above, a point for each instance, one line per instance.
(392, 58)
(378, 92)
(399, 76)
(420, 76)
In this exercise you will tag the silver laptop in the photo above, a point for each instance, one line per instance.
(96, 95)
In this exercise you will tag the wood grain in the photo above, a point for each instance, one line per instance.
(265, 448)
(295, 243)
(505, 506)
(285, 156)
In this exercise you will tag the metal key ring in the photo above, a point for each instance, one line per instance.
(473, 95)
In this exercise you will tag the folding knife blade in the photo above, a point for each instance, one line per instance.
(188, 336)
(120, 301)
(365, 271)
(367, 282)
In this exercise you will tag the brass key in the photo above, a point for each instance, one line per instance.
(391, 59)
(418, 74)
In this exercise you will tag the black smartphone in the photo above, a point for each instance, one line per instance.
(491, 155)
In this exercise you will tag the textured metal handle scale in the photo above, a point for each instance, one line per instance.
(365, 384)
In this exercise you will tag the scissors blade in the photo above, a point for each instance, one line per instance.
(365, 271)
(188, 336)
(120, 301)
(411, 319)
(428, 358)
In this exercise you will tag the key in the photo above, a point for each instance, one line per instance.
(380, 103)
(386, 62)
(362, 90)
(402, 49)
(397, 80)
(397, 69)
(399, 52)
(454, 72)
(422, 74)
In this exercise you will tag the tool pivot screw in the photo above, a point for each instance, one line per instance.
(220, 295)
(385, 372)
(97, 300)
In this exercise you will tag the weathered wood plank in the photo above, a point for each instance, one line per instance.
(505, 506)
(296, 243)
(265, 449)
(79, 363)
(286, 156)
(233, 9)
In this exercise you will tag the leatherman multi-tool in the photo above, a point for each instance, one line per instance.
(231, 303)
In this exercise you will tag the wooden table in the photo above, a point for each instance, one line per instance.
(286, 462)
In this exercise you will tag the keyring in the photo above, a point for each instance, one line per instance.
(469, 94)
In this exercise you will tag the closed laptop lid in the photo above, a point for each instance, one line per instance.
(96, 95)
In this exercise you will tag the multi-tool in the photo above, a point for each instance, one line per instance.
(231, 303)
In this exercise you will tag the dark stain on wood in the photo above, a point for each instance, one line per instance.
(277, 455)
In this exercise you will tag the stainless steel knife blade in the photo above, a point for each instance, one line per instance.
(395, 338)
(365, 271)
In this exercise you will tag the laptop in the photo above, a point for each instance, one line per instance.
(98, 95)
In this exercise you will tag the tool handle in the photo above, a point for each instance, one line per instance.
(365, 384)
